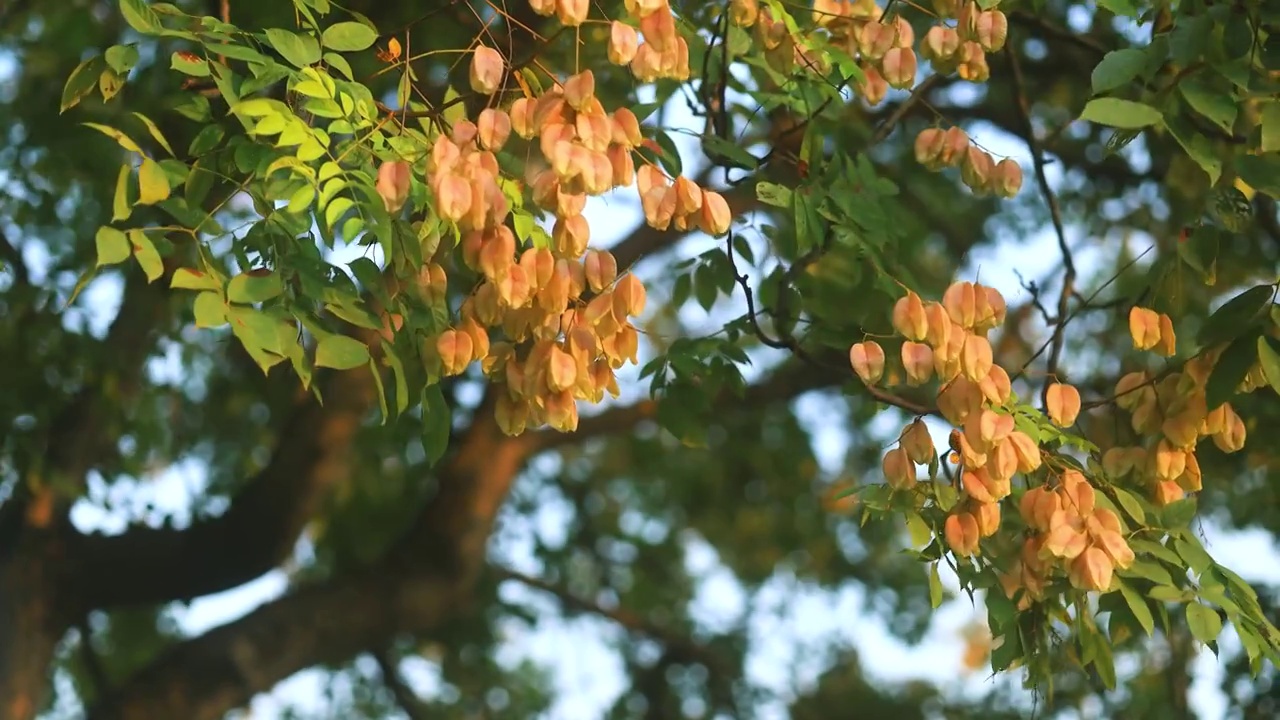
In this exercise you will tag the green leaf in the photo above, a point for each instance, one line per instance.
(935, 586)
(299, 50)
(348, 37)
(1117, 68)
(121, 207)
(147, 256)
(259, 334)
(729, 154)
(1148, 570)
(774, 194)
(1131, 504)
(153, 183)
(1189, 547)
(1231, 369)
(341, 352)
(1168, 593)
(392, 360)
(1002, 657)
(669, 154)
(1124, 8)
(918, 531)
(1177, 515)
(1270, 126)
(1236, 316)
(122, 58)
(1117, 113)
(1262, 172)
(188, 279)
(1189, 37)
(1138, 606)
(1151, 547)
(1219, 107)
(113, 246)
(254, 288)
(81, 82)
(436, 423)
(189, 63)
(1270, 362)
(207, 139)
(210, 310)
(1204, 622)
(140, 17)
(1198, 148)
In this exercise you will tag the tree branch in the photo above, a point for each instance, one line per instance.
(204, 677)
(151, 565)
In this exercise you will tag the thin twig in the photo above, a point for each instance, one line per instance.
(92, 663)
(1055, 215)
(13, 259)
(787, 341)
(625, 619)
(404, 695)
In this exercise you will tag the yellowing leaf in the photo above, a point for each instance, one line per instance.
(125, 141)
(112, 245)
(145, 252)
(153, 183)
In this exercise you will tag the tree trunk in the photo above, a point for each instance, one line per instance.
(29, 626)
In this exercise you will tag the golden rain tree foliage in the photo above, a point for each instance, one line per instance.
(1055, 473)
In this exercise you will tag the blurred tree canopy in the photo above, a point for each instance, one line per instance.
(364, 268)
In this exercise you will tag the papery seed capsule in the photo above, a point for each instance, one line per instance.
(1232, 436)
(960, 300)
(487, 69)
(991, 29)
(1144, 328)
(1167, 346)
(1165, 492)
(1091, 570)
(873, 86)
(961, 532)
(899, 66)
(1007, 178)
(1191, 478)
(716, 217)
(572, 13)
(867, 359)
(954, 147)
(928, 147)
(940, 44)
(987, 516)
(977, 170)
(1132, 390)
(899, 473)
(455, 351)
(1062, 402)
(909, 317)
(917, 360)
(623, 43)
(1038, 506)
(975, 359)
(744, 13)
(996, 386)
(958, 399)
(917, 443)
(393, 184)
(1027, 451)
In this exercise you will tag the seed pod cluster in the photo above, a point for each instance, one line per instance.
(1172, 411)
